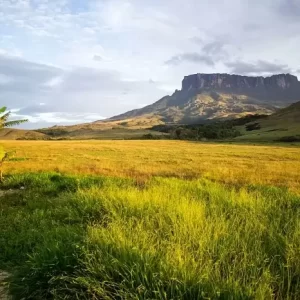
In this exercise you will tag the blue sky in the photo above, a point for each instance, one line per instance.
(74, 61)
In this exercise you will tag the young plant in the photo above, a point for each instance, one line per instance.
(4, 122)
(3, 157)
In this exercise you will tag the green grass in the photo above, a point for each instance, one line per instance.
(67, 237)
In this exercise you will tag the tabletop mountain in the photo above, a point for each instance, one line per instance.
(218, 96)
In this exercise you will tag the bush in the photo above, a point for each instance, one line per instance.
(210, 130)
(254, 126)
(289, 139)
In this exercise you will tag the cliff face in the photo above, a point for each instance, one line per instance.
(226, 81)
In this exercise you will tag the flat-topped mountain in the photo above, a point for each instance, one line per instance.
(212, 96)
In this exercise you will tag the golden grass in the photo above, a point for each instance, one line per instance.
(233, 164)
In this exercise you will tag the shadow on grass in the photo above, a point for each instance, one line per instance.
(68, 237)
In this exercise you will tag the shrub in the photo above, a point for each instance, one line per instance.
(253, 126)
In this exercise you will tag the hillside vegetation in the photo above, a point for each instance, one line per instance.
(217, 130)
(284, 125)
(170, 220)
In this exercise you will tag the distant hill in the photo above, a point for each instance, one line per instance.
(16, 134)
(218, 96)
(284, 125)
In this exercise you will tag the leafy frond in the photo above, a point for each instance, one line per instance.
(3, 119)
(14, 123)
(3, 109)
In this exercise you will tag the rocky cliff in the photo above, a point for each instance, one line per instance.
(281, 89)
(227, 81)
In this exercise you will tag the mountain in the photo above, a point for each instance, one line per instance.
(217, 96)
(202, 97)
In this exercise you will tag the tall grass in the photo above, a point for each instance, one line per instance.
(70, 237)
(231, 164)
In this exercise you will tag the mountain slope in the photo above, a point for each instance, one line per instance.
(283, 125)
(216, 96)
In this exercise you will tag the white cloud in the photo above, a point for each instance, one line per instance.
(78, 55)
(39, 120)
(46, 94)
(4, 79)
(53, 82)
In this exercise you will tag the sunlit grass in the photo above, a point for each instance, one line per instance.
(233, 164)
(151, 220)
(106, 238)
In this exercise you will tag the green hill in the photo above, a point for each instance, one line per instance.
(284, 125)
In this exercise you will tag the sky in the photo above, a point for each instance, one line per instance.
(64, 62)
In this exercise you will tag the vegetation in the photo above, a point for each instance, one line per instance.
(282, 126)
(105, 238)
(53, 132)
(4, 122)
(290, 139)
(217, 130)
(169, 220)
(225, 163)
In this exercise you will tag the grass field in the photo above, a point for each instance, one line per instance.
(151, 220)
(232, 164)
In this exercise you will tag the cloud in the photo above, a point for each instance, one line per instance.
(54, 81)
(197, 40)
(119, 44)
(26, 76)
(4, 79)
(191, 58)
(97, 57)
(289, 9)
(258, 67)
(36, 108)
(47, 119)
(215, 48)
(46, 94)
(209, 54)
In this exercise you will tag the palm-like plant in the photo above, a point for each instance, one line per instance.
(4, 119)
(4, 122)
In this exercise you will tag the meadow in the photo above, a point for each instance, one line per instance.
(150, 220)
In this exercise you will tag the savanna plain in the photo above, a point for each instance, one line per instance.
(150, 220)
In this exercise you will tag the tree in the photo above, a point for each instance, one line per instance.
(178, 133)
(4, 119)
(4, 122)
